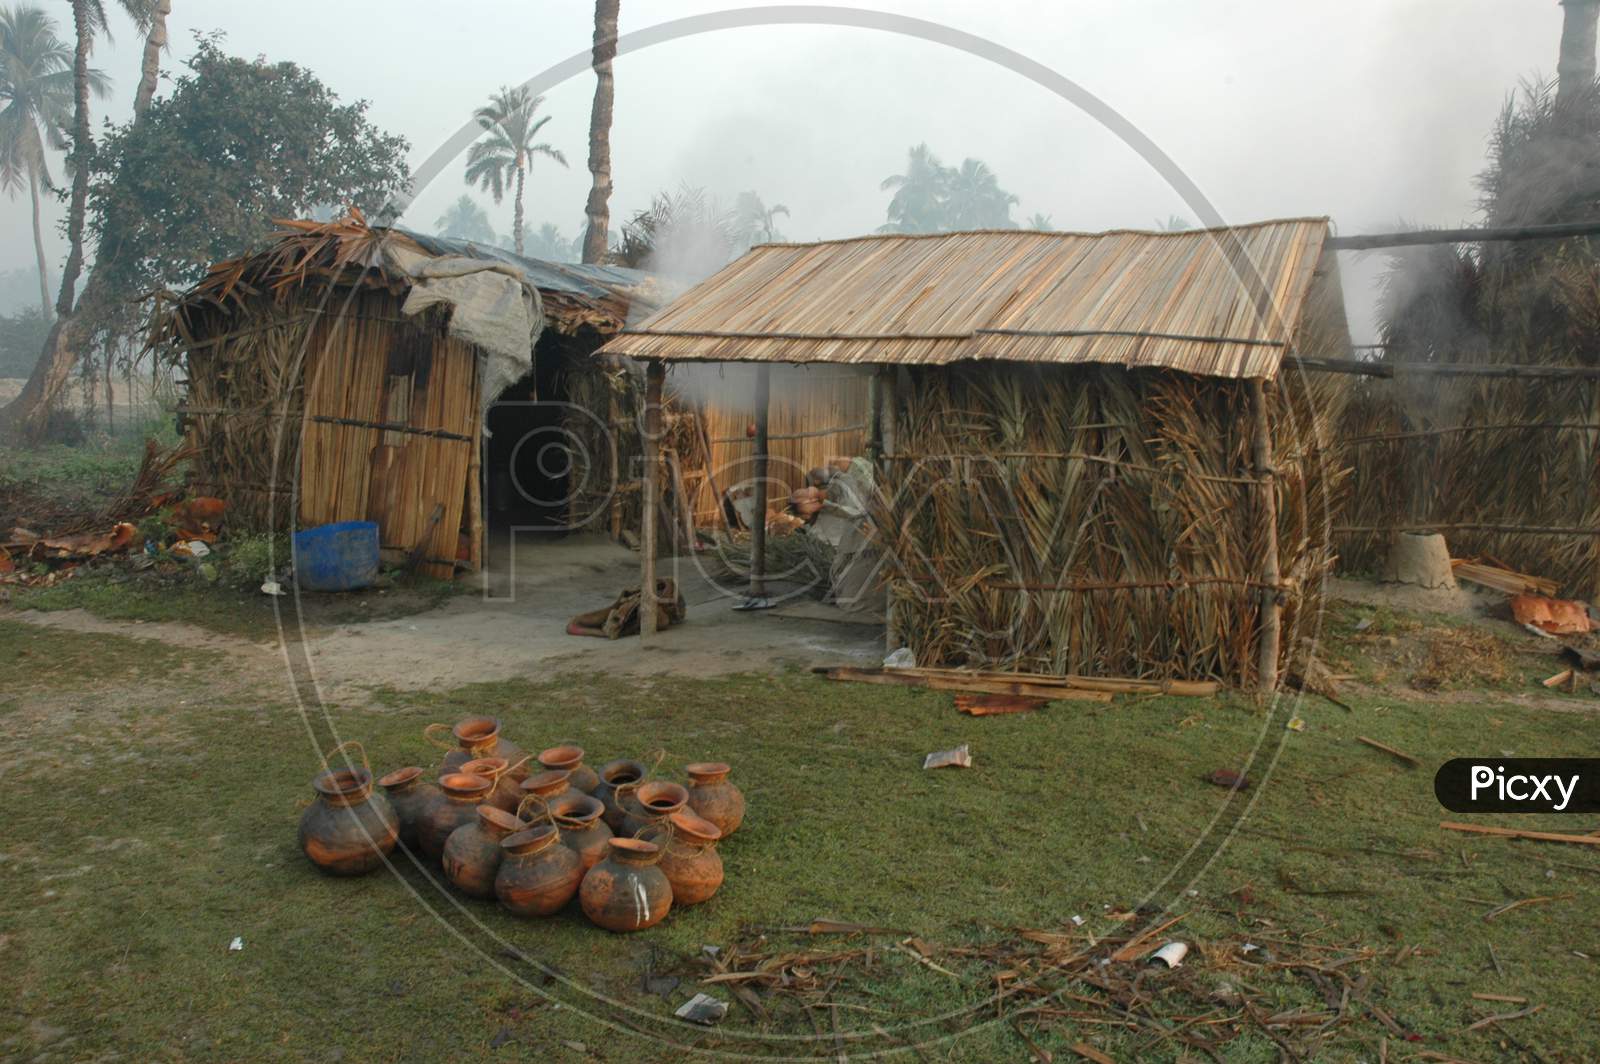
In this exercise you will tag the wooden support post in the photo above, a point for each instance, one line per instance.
(758, 530)
(1270, 609)
(885, 413)
(874, 419)
(654, 375)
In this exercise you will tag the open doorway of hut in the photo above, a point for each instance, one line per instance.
(526, 458)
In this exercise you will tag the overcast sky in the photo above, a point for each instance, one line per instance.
(1372, 112)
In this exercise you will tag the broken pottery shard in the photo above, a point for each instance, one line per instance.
(960, 757)
(702, 1009)
(1555, 616)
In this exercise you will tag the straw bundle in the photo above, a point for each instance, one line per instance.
(1095, 521)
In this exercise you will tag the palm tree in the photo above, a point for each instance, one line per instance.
(918, 203)
(155, 42)
(1175, 223)
(549, 244)
(1575, 61)
(756, 221)
(975, 200)
(465, 220)
(597, 211)
(507, 152)
(35, 105)
(1039, 222)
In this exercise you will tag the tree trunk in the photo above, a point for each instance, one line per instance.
(38, 243)
(26, 415)
(150, 68)
(598, 208)
(516, 211)
(1575, 67)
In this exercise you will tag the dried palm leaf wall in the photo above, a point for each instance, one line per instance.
(1503, 468)
(1097, 520)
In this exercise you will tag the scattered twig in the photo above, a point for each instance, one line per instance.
(1502, 1017)
(1391, 751)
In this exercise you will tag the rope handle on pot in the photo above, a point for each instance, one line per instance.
(327, 758)
(621, 790)
(541, 805)
(427, 734)
(672, 843)
(509, 769)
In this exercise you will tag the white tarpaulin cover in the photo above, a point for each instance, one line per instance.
(492, 306)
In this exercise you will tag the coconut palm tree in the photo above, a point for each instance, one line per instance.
(756, 222)
(597, 211)
(918, 203)
(1039, 221)
(155, 42)
(465, 220)
(504, 156)
(35, 105)
(975, 200)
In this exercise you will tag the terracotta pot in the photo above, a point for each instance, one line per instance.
(348, 829)
(472, 852)
(497, 770)
(569, 758)
(690, 860)
(582, 829)
(537, 875)
(713, 797)
(463, 793)
(626, 891)
(540, 789)
(410, 795)
(476, 737)
(614, 774)
(651, 803)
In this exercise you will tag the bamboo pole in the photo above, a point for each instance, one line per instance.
(758, 530)
(1270, 608)
(874, 419)
(886, 444)
(1462, 236)
(654, 375)
(1388, 370)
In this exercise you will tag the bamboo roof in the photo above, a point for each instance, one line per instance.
(1211, 302)
(349, 251)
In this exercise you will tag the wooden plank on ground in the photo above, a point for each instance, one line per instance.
(1518, 833)
(906, 678)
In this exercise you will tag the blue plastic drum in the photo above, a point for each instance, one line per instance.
(337, 557)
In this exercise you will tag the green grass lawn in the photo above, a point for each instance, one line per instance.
(152, 797)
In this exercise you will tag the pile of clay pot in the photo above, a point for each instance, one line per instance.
(532, 832)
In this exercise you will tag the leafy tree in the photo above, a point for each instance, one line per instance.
(918, 203)
(21, 336)
(465, 220)
(202, 174)
(505, 154)
(975, 200)
(36, 97)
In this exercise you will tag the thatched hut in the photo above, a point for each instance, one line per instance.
(1087, 459)
(350, 372)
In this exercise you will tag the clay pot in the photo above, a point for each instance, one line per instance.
(472, 852)
(537, 875)
(713, 797)
(496, 770)
(348, 829)
(689, 858)
(569, 758)
(626, 891)
(651, 803)
(476, 737)
(410, 795)
(582, 829)
(544, 787)
(614, 774)
(463, 793)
